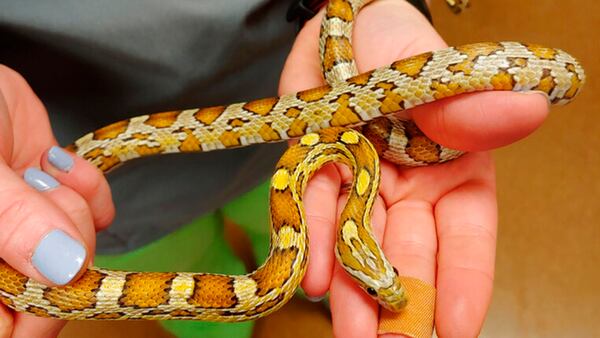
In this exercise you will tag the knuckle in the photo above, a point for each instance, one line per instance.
(100, 199)
(469, 231)
(319, 220)
(104, 218)
(95, 184)
(417, 248)
(78, 209)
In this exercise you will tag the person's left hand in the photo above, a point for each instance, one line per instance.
(436, 223)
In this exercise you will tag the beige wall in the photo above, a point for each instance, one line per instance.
(547, 272)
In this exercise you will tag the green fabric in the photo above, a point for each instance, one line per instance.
(200, 246)
(251, 212)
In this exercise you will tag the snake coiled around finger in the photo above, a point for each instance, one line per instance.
(322, 119)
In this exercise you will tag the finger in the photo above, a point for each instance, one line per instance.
(383, 26)
(390, 30)
(36, 237)
(410, 241)
(26, 326)
(27, 132)
(81, 176)
(466, 226)
(6, 322)
(353, 312)
(482, 121)
(320, 202)
(302, 68)
(78, 211)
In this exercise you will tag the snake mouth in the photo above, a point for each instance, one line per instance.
(395, 305)
(393, 298)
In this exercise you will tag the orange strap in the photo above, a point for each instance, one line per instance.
(416, 320)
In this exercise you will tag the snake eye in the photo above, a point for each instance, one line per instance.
(372, 292)
(396, 271)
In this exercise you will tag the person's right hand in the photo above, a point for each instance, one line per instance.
(435, 223)
(52, 203)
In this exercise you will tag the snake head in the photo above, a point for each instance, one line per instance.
(392, 297)
(364, 261)
(387, 289)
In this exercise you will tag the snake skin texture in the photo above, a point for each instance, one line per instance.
(390, 134)
(321, 117)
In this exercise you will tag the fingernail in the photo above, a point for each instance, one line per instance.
(539, 92)
(39, 179)
(315, 299)
(60, 159)
(58, 257)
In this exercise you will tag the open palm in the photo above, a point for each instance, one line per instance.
(436, 223)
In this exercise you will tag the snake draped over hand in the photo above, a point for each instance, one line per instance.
(322, 118)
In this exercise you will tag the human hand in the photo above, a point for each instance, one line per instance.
(438, 223)
(47, 225)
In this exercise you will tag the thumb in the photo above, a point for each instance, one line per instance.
(387, 31)
(469, 122)
(36, 237)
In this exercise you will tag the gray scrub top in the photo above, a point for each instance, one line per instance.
(97, 62)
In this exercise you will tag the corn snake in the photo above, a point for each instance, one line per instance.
(103, 294)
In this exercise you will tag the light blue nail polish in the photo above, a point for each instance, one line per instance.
(58, 257)
(60, 159)
(39, 179)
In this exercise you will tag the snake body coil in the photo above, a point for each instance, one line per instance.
(319, 116)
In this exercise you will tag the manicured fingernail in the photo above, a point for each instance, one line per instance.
(315, 299)
(60, 159)
(58, 257)
(40, 180)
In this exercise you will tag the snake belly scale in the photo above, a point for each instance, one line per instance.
(321, 118)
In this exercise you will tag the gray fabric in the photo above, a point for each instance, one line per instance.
(95, 62)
